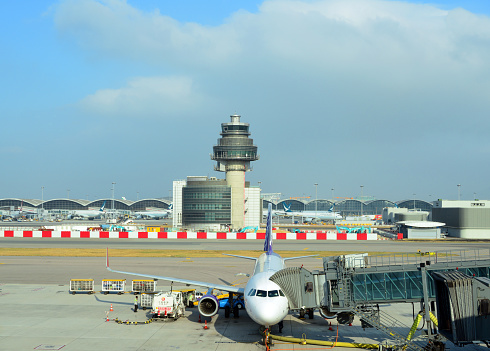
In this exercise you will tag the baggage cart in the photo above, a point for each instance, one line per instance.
(82, 285)
(143, 286)
(146, 300)
(113, 285)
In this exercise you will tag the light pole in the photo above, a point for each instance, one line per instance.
(459, 192)
(362, 196)
(42, 201)
(316, 200)
(414, 201)
(113, 212)
(332, 194)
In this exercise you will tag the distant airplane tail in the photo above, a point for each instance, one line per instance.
(268, 231)
(102, 208)
(287, 208)
(171, 207)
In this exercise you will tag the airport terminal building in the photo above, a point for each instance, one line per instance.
(202, 203)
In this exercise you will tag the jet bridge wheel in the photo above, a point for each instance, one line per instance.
(345, 317)
(310, 313)
(227, 311)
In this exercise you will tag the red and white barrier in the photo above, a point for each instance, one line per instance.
(330, 235)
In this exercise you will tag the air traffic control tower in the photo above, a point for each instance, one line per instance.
(233, 154)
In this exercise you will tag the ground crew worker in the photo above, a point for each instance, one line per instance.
(190, 299)
(135, 303)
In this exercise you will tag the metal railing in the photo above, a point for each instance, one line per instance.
(450, 257)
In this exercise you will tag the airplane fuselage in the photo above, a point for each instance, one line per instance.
(264, 301)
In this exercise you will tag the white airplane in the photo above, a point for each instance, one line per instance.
(310, 216)
(265, 303)
(90, 214)
(18, 214)
(154, 214)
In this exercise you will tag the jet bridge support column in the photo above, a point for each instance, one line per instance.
(426, 303)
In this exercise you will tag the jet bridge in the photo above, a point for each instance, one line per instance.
(356, 284)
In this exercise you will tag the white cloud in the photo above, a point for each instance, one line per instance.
(115, 28)
(150, 97)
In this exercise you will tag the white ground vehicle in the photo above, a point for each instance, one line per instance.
(170, 304)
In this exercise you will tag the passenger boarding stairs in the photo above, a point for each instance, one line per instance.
(388, 325)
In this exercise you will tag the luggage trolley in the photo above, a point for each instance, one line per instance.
(81, 285)
(143, 286)
(146, 300)
(113, 285)
(147, 289)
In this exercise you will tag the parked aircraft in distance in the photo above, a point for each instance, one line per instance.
(265, 302)
(310, 216)
(88, 214)
(18, 214)
(157, 214)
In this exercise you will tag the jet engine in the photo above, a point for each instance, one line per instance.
(208, 305)
(325, 313)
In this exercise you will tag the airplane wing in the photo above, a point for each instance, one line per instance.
(247, 257)
(293, 258)
(227, 288)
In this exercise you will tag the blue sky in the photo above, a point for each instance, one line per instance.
(390, 95)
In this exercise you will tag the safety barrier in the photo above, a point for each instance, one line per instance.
(330, 235)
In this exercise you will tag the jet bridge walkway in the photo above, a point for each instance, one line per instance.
(352, 285)
(398, 278)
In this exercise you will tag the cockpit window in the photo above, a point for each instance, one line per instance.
(273, 293)
(261, 293)
(252, 292)
(281, 293)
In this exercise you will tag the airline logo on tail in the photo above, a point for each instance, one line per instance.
(287, 208)
(102, 208)
(268, 231)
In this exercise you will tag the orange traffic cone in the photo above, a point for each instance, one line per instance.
(107, 318)
(206, 325)
(350, 324)
(199, 318)
(158, 313)
(165, 313)
(111, 310)
(330, 326)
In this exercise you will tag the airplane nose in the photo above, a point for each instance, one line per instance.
(269, 314)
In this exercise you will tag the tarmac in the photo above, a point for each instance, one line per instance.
(37, 311)
(48, 317)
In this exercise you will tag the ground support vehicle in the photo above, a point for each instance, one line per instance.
(168, 304)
